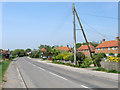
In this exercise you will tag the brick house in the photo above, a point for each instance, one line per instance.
(107, 47)
(5, 54)
(84, 49)
(64, 49)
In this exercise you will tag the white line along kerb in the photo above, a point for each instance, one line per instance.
(57, 75)
(84, 86)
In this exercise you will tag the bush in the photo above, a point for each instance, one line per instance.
(72, 58)
(111, 54)
(87, 62)
(98, 57)
(100, 69)
(64, 56)
(80, 57)
(118, 55)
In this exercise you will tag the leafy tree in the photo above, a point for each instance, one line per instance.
(18, 52)
(111, 53)
(80, 57)
(27, 50)
(118, 55)
(98, 58)
(78, 45)
(95, 43)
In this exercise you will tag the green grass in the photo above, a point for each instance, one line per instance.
(3, 68)
(68, 64)
(104, 70)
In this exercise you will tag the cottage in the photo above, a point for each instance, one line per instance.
(64, 49)
(108, 47)
(84, 49)
(5, 54)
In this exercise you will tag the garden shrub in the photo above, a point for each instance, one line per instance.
(111, 54)
(98, 58)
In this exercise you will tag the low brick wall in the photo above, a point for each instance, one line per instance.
(110, 65)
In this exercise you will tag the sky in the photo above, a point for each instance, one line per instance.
(29, 24)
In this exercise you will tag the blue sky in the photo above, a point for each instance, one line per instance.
(27, 25)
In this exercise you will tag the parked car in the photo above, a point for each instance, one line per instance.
(44, 57)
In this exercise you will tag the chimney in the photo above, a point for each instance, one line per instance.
(67, 45)
(117, 38)
(103, 40)
(89, 43)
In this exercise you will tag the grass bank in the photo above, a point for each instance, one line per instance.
(104, 70)
(3, 68)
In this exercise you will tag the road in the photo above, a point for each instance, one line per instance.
(39, 75)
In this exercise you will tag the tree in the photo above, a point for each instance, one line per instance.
(78, 45)
(27, 50)
(18, 52)
(111, 53)
(80, 57)
(98, 58)
(95, 43)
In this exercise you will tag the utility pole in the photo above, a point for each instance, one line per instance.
(84, 34)
(74, 35)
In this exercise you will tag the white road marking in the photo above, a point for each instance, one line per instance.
(57, 75)
(22, 82)
(37, 66)
(84, 86)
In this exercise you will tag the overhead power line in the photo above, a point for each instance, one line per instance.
(100, 16)
(95, 30)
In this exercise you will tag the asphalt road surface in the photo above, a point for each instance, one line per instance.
(40, 75)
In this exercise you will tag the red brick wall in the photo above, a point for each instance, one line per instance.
(106, 51)
(87, 53)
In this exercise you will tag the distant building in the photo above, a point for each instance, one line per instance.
(43, 49)
(84, 49)
(5, 54)
(107, 47)
(64, 49)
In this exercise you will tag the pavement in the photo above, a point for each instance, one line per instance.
(34, 73)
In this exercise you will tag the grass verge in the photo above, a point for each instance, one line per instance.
(104, 70)
(69, 64)
(3, 67)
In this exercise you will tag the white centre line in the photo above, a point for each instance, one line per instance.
(37, 66)
(57, 75)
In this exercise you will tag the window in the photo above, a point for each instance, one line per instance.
(108, 48)
(113, 48)
(101, 48)
(107, 54)
(116, 48)
(98, 48)
(116, 54)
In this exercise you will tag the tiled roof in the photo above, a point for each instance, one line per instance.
(64, 49)
(85, 47)
(43, 49)
(5, 51)
(112, 43)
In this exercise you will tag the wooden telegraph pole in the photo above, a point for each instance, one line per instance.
(74, 11)
(84, 34)
(75, 62)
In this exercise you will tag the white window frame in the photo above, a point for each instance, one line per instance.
(108, 48)
(113, 48)
(101, 48)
